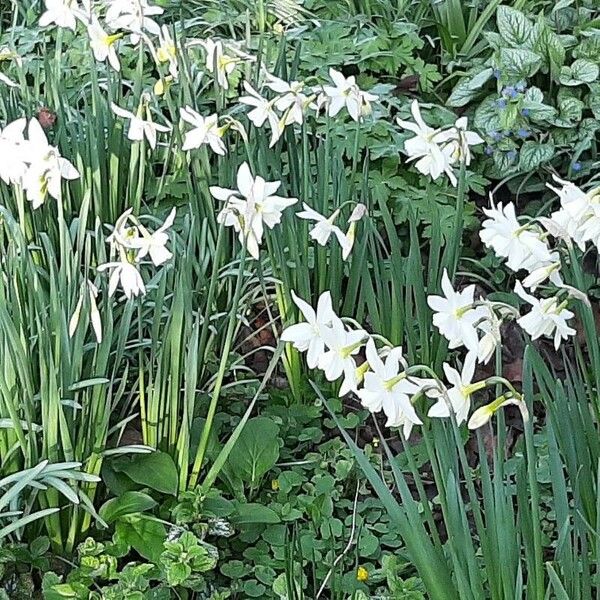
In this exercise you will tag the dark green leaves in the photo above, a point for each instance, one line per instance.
(256, 450)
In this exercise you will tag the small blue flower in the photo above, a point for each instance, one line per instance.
(489, 150)
(511, 155)
(510, 91)
(497, 73)
(523, 133)
(525, 112)
(576, 166)
(501, 103)
(521, 86)
(496, 136)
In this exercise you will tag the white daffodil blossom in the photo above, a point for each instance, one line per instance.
(292, 102)
(345, 92)
(166, 52)
(126, 274)
(484, 413)
(579, 215)
(206, 131)
(123, 233)
(251, 206)
(455, 315)
(341, 345)
(324, 227)
(387, 387)
(521, 245)
(308, 337)
(563, 226)
(423, 148)
(352, 379)
(489, 325)
(219, 63)
(133, 16)
(357, 214)
(437, 150)
(153, 244)
(140, 128)
(572, 199)
(262, 112)
(457, 397)
(47, 168)
(547, 317)
(61, 13)
(549, 271)
(458, 141)
(13, 165)
(95, 319)
(103, 44)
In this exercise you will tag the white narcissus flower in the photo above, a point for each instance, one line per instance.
(262, 112)
(292, 102)
(484, 413)
(123, 233)
(455, 316)
(13, 164)
(103, 44)
(167, 51)
(127, 275)
(489, 324)
(459, 395)
(138, 127)
(386, 386)
(308, 337)
(579, 215)
(133, 16)
(521, 245)
(47, 167)
(155, 243)
(251, 206)
(459, 141)
(206, 131)
(543, 272)
(357, 214)
(324, 227)
(424, 148)
(341, 345)
(346, 93)
(60, 12)
(218, 62)
(547, 317)
(572, 199)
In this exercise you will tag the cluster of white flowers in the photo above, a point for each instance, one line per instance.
(32, 163)
(291, 102)
(438, 151)
(131, 242)
(121, 17)
(578, 219)
(526, 247)
(384, 381)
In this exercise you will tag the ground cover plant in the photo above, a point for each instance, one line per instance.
(299, 300)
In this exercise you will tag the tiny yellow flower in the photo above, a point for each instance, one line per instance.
(362, 574)
(275, 485)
